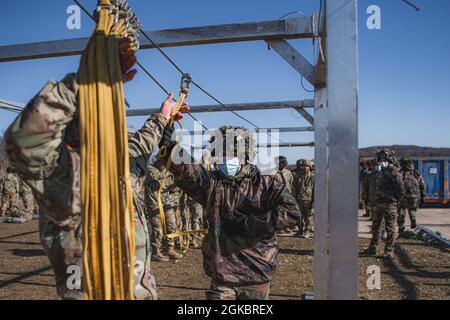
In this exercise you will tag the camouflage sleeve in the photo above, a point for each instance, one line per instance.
(399, 186)
(193, 179)
(142, 144)
(284, 211)
(151, 190)
(290, 181)
(34, 139)
(366, 188)
(423, 186)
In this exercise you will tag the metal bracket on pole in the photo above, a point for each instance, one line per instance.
(294, 58)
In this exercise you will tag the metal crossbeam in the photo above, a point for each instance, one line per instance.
(271, 145)
(297, 28)
(262, 130)
(298, 105)
(294, 58)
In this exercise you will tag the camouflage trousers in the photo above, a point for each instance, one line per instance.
(219, 291)
(10, 204)
(388, 214)
(410, 206)
(370, 208)
(158, 240)
(196, 213)
(306, 219)
(63, 247)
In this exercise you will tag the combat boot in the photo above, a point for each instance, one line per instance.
(413, 224)
(173, 254)
(158, 256)
(370, 251)
(388, 255)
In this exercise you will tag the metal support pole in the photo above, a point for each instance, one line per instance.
(342, 93)
(321, 229)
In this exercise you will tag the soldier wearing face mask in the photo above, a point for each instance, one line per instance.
(389, 190)
(244, 210)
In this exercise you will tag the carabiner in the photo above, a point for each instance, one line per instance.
(186, 81)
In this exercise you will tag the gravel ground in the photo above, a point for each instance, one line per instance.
(418, 272)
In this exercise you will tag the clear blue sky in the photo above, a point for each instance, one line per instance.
(404, 68)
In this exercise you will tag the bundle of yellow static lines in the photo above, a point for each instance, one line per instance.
(106, 196)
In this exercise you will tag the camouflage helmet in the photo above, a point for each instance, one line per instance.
(406, 163)
(300, 162)
(307, 163)
(281, 161)
(386, 154)
(238, 140)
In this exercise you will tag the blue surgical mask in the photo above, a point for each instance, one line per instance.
(229, 167)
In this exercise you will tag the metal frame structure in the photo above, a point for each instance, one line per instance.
(334, 75)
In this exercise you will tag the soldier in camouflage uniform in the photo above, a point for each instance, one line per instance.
(284, 176)
(195, 210)
(163, 248)
(43, 146)
(389, 191)
(244, 209)
(414, 192)
(362, 176)
(10, 200)
(370, 179)
(304, 193)
(26, 195)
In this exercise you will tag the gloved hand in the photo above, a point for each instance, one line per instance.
(166, 139)
(249, 226)
(422, 200)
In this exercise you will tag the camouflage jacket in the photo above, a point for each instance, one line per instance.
(304, 187)
(36, 147)
(370, 185)
(10, 184)
(243, 214)
(414, 184)
(170, 195)
(285, 177)
(389, 186)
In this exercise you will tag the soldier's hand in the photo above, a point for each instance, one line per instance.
(127, 60)
(169, 105)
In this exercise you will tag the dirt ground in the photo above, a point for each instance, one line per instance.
(418, 272)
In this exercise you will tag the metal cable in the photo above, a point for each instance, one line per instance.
(145, 70)
(182, 73)
(198, 86)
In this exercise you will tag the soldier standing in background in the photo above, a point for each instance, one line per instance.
(27, 200)
(10, 200)
(196, 220)
(163, 247)
(304, 193)
(364, 171)
(389, 191)
(414, 192)
(370, 181)
(284, 176)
